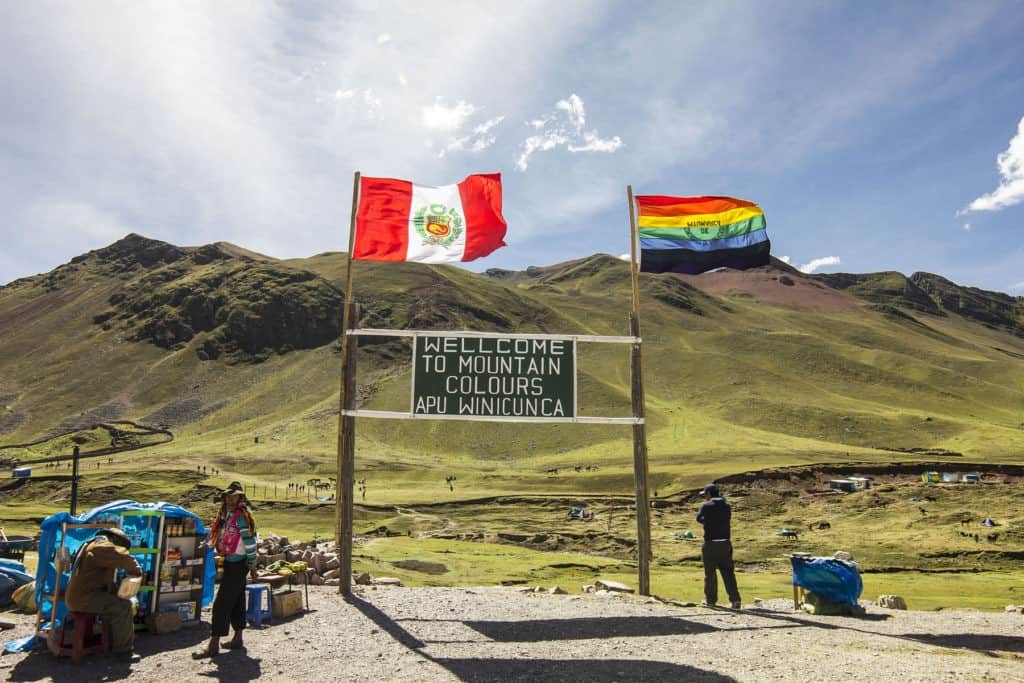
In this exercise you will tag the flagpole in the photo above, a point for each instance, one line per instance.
(640, 470)
(634, 262)
(343, 497)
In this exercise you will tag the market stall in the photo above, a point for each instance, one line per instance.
(167, 541)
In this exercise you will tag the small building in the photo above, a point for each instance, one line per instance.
(972, 479)
(861, 482)
(845, 485)
(950, 477)
(21, 472)
(930, 477)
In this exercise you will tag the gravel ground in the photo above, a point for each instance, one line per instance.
(488, 634)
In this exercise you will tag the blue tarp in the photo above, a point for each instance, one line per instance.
(837, 581)
(12, 576)
(49, 539)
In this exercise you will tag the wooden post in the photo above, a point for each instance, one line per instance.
(346, 478)
(74, 482)
(343, 504)
(640, 474)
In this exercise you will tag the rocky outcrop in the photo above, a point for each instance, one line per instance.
(237, 307)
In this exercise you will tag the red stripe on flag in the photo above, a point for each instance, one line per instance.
(485, 226)
(382, 222)
(658, 205)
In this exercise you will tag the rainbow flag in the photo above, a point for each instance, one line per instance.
(696, 234)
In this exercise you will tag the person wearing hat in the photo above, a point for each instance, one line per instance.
(716, 515)
(233, 535)
(91, 588)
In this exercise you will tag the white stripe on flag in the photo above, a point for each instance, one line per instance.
(437, 225)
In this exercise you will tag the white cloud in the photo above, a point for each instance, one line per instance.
(564, 127)
(573, 107)
(967, 227)
(95, 225)
(1011, 169)
(626, 257)
(372, 102)
(439, 116)
(784, 259)
(384, 39)
(816, 263)
(344, 94)
(538, 143)
(477, 141)
(487, 125)
(592, 143)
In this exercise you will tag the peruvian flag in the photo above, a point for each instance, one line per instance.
(401, 221)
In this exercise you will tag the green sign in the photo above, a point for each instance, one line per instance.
(494, 377)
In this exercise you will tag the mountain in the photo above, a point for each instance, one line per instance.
(221, 345)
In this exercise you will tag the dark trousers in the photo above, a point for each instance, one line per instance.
(229, 605)
(717, 556)
(117, 613)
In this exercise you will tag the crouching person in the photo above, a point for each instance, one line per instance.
(91, 588)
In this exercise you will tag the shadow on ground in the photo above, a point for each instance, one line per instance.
(530, 631)
(40, 665)
(978, 642)
(590, 670)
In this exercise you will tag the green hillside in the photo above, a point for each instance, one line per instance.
(220, 345)
(161, 361)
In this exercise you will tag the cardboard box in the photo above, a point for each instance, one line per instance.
(186, 610)
(164, 622)
(285, 603)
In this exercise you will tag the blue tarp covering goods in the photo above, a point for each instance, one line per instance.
(837, 581)
(12, 575)
(49, 541)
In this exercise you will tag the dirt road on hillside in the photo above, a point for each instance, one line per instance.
(488, 634)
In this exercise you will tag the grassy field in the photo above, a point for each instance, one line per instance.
(907, 536)
(733, 384)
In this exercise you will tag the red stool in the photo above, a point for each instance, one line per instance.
(84, 641)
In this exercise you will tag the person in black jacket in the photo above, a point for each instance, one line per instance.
(716, 515)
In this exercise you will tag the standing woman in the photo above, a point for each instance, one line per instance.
(233, 534)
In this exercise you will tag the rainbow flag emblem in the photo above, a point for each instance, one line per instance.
(697, 234)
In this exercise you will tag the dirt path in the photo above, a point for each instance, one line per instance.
(486, 634)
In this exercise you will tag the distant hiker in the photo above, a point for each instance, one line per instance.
(91, 588)
(233, 534)
(716, 516)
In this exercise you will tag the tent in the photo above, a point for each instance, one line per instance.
(49, 540)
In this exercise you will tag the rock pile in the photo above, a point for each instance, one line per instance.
(312, 562)
(320, 558)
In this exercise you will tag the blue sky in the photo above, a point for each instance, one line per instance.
(875, 137)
